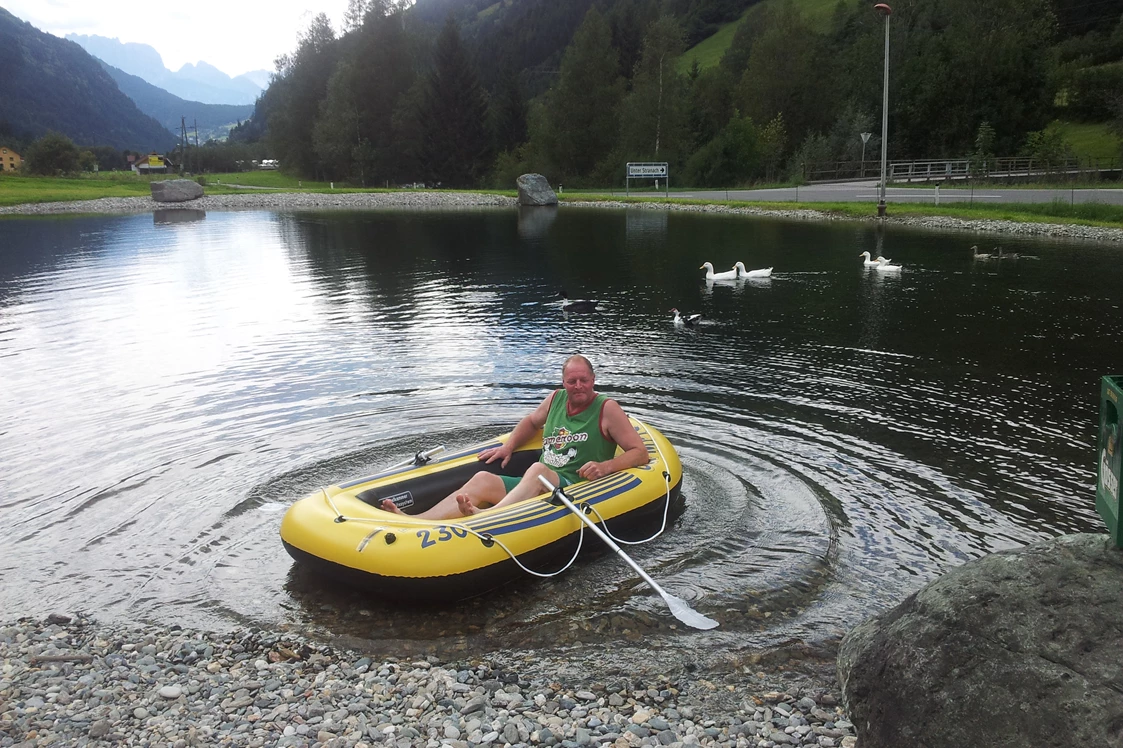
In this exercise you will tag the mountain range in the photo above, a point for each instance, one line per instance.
(212, 120)
(49, 84)
(199, 82)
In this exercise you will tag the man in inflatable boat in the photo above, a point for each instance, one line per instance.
(580, 432)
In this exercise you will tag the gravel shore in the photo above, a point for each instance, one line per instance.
(360, 200)
(73, 681)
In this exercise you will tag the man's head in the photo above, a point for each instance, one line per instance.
(578, 379)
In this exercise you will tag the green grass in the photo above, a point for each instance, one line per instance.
(18, 189)
(15, 190)
(1059, 211)
(710, 50)
(1092, 140)
(265, 178)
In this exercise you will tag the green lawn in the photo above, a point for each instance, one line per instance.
(1092, 140)
(265, 178)
(18, 189)
(15, 189)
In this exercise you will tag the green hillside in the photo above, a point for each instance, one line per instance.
(1092, 139)
(709, 51)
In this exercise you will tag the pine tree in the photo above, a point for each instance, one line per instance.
(455, 144)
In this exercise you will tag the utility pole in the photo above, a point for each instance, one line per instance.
(197, 165)
(183, 150)
(886, 11)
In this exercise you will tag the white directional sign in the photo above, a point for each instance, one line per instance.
(647, 169)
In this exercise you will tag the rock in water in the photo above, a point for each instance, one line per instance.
(176, 191)
(535, 190)
(1017, 648)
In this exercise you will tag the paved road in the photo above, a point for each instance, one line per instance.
(860, 192)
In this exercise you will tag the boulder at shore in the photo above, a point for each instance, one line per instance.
(175, 191)
(535, 190)
(1018, 648)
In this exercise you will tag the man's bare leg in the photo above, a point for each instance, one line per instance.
(529, 486)
(483, 488)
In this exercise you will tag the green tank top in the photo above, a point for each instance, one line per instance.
(568, 442)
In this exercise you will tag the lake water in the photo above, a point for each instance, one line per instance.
(167, 389)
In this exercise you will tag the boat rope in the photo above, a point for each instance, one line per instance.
(666, 504)
(489, 539)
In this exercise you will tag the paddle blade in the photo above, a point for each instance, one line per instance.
(688, 615)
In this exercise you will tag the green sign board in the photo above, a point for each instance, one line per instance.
(1108, 453)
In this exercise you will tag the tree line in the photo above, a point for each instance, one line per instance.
(393, 99)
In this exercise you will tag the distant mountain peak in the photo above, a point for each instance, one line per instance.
(199, 81)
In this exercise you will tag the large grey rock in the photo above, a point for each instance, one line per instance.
(535, 190)
(1019, 648)
(175, 191)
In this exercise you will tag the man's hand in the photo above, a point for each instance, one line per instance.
(593, 470)
(503, 451)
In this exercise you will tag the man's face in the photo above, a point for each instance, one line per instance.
(578, 382)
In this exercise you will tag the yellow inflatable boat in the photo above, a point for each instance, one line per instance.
(339, 532)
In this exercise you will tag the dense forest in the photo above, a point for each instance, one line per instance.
(473, 92)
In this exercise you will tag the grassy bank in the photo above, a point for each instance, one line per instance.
(1059, 211)
(16, 190)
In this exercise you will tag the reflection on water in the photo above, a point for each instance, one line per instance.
(535, 220)
(177, 215)
(846, 435)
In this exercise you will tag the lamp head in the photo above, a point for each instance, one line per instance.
(883, 9)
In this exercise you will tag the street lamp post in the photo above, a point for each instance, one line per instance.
(865, 139)
(886, 11)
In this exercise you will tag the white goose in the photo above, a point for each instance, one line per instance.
(711, 275)
(743, 273)
(977, 255)
(868, 262)
(884, 266)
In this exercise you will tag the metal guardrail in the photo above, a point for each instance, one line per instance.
(925, 170)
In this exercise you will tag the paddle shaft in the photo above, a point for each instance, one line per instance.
(556, 491)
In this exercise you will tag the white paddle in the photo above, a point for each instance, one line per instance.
(678, 606)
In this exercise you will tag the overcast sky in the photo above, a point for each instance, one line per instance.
(235, 36)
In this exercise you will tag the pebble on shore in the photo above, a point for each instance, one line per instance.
(73, 681)
(424, 200)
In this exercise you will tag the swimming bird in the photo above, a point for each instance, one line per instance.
(868, 262)
(690, 320)
(711, 275)
(884, 266)
(1007, 255)
(977, 255)
(579, 306)
(743, 273)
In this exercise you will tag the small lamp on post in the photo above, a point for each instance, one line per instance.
(886, 11)
(865, 139)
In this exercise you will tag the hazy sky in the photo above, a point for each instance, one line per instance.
(235, 36)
